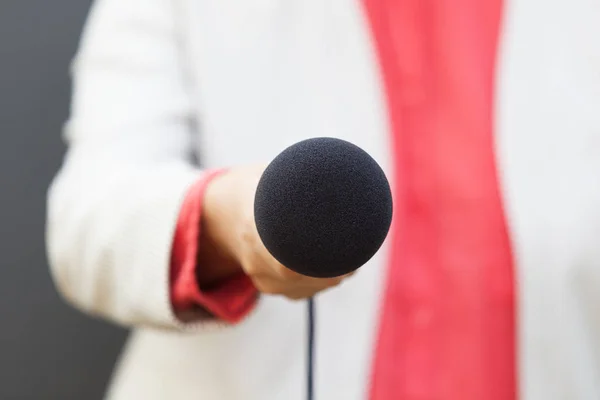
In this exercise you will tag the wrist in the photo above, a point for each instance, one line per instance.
(217, 260)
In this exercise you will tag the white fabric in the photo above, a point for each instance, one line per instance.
(549, 151)
(235, 82)
(113, 207)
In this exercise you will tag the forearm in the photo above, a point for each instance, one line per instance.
(109, 235)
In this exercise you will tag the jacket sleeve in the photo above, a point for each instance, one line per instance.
(113, 206)
(229, 301)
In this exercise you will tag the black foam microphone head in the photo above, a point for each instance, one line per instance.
(323, 207)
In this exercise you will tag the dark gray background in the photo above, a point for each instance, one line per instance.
(47, 349)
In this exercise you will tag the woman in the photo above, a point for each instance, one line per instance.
(486, 117)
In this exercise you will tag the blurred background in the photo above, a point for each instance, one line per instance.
(47, 349)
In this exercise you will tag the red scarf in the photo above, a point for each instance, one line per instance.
(448, 324)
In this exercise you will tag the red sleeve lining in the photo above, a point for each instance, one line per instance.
(231, 300)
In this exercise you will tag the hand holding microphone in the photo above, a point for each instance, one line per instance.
(320, 210)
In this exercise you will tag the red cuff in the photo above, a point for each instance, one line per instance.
(231, 300)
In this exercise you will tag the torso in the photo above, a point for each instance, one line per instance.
(269, 73)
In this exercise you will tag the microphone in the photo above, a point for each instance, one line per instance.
(323, 207)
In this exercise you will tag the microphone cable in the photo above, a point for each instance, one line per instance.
(311, 350)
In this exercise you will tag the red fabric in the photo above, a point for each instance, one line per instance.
(448, 326)
(230, 301)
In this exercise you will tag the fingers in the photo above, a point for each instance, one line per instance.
(294, 291)
(271, 277)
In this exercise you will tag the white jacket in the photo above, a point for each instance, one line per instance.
(157, 82)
